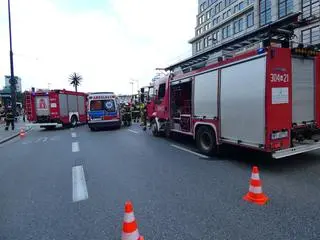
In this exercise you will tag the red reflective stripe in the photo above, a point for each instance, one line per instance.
(129, 227)
(255, 183)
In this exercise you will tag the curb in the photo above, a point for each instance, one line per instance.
(12, 136)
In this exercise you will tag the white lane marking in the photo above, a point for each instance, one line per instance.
(38, 140)
(45, 139)
(133, 131)
(79, 186)
(55, 138)
(74, 134)
(189, 151)
(71, 129)
(75, 147)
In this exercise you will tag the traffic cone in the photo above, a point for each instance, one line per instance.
(255, 193)
(130, 228)
(22, 133)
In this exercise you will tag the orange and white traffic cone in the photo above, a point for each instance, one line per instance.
(130, 227)
(255, 193)
(22, 133)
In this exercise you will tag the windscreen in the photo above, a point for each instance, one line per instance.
(106, 105)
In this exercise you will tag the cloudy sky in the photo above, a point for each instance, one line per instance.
(108, 42)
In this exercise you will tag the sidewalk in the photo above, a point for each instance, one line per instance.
(7, 135)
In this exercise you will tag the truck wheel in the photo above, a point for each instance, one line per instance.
(74, 121)
(167, 130)
(206, 140)
(154, 129)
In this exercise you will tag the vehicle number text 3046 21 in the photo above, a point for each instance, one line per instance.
(276, 77)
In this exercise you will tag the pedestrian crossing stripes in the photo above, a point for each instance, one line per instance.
(41, 140)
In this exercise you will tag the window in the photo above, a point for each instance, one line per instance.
(215, 37)
(238, 26)
(198, 46)
(229, 13)
(198, 32)
(206, 42)
(162, 91)
(217, 9)
(241, 5)
(265, 12)
(206, 27)
(203, 6)
(310, 8)
(224, 16)
(226, 32)
(311, 35)
(201, 19)
(250, 20)
(106, 105)
(285, 7)
(208, 15)
(235, 8)
(225, 4)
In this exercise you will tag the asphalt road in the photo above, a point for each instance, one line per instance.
(176, 193)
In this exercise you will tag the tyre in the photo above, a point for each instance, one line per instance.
(154, 129)
(206, 140)
(74, 121)
(167, 131)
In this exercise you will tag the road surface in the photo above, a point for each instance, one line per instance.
(73, 183)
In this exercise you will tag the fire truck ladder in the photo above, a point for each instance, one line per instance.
(281, 31)
(28, 104)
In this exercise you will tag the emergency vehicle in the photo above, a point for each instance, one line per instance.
(266, 99)
(103, 110)
(51, 108)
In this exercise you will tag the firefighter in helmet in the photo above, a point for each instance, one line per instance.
(9, 118)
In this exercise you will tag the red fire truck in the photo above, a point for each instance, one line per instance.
(49, 109)
(266, 99)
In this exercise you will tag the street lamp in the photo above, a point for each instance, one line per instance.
(12, 78)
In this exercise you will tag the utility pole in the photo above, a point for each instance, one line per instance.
(131, 82)
(12, 77)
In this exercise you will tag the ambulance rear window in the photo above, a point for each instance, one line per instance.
(98, 105)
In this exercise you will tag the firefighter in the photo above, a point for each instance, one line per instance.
(144, 116)
(23, 115)
(9, 118)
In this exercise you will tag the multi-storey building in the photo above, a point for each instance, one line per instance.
(218, 21)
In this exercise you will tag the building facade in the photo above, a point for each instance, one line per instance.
(7, 82)
(218, 21)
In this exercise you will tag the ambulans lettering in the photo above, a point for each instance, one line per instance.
(101, 97)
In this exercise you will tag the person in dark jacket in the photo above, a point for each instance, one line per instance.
(9, 119)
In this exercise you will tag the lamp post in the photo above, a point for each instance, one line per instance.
(12, 78)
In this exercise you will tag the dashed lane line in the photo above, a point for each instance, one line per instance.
(133, 131)
(75, 147)
(189, 151)
(79, 185)
(74, 134)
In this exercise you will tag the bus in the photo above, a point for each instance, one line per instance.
(103, 110)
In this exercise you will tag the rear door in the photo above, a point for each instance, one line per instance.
(42, 105)
(303, 90)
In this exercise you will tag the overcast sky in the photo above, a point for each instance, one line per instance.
(108, 42)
